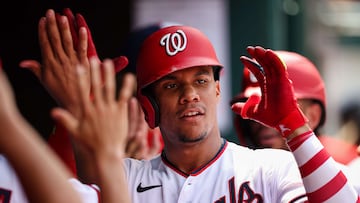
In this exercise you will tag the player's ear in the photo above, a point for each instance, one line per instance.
(217, 87)
(313, 113)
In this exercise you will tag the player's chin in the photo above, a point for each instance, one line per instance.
(271, 141)
(195, 138)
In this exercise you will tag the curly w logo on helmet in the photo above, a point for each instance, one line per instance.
(174, 42)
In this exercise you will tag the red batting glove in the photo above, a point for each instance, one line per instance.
(75, 24)
(277, 106)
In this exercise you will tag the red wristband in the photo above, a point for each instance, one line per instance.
(291, 122)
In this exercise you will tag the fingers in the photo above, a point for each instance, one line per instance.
(33, 65)
(268, 59)
(83, 89)
(109, 81)
(255, 68)
(91, 46)
(133, 117)
(66, 36)
(96, 81)
(46, 50)
(276, 61)
(120, 63)
(82, 46)
(127, 89)
(66, 119)
(155, 148)
(72, 25)
(54, 34)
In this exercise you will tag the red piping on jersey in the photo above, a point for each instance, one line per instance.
(97, 192)
(197, 171)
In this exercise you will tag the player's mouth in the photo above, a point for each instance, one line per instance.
(268, 140)
(191, 114)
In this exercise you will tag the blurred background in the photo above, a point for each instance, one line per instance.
(325, 31)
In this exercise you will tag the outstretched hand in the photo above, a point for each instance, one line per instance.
(65, 41)
(76, 22)
(59, 59)
(102, 125)
(277, 106)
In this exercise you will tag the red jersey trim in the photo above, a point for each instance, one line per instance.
(199, 170)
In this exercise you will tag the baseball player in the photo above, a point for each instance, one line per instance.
(178, 87)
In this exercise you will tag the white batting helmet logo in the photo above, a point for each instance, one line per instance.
(174, 42)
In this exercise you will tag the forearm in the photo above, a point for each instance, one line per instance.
(322, 178)
(86, 171)
(111, 176)
(42, 175)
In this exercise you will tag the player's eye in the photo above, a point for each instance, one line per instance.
(170, 86)
(201, 81)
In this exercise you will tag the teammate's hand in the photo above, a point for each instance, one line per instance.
(140, 135)
(59, 59)
(78, 21)
(277, 106)
(102, 125)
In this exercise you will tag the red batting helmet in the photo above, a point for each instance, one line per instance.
(168, 50)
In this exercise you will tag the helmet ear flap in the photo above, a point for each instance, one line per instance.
(151, 109)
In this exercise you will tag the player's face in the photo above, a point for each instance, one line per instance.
(265, 137)
(187, 102)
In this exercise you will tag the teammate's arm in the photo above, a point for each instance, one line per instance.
(102, 128)
(277, 108)
(41, 173)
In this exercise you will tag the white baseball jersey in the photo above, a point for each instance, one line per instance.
(235, 174)
(11, 190)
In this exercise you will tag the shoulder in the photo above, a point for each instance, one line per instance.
(88, 193)
(271, 160)
(260, 154)
(134, 165)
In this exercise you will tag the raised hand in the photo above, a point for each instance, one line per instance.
(59, 59)
(139, 146)
(277, 106)
(102, 125)
(76, 22)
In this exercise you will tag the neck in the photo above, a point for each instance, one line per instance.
(191, 156)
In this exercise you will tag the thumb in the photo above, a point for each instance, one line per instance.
(66, 119)
(33, 65)
(120, 63)
(246, 110)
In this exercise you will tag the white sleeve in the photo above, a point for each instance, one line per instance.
(88, 193)
(324, 181)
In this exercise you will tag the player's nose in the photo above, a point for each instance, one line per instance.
(189, 94)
